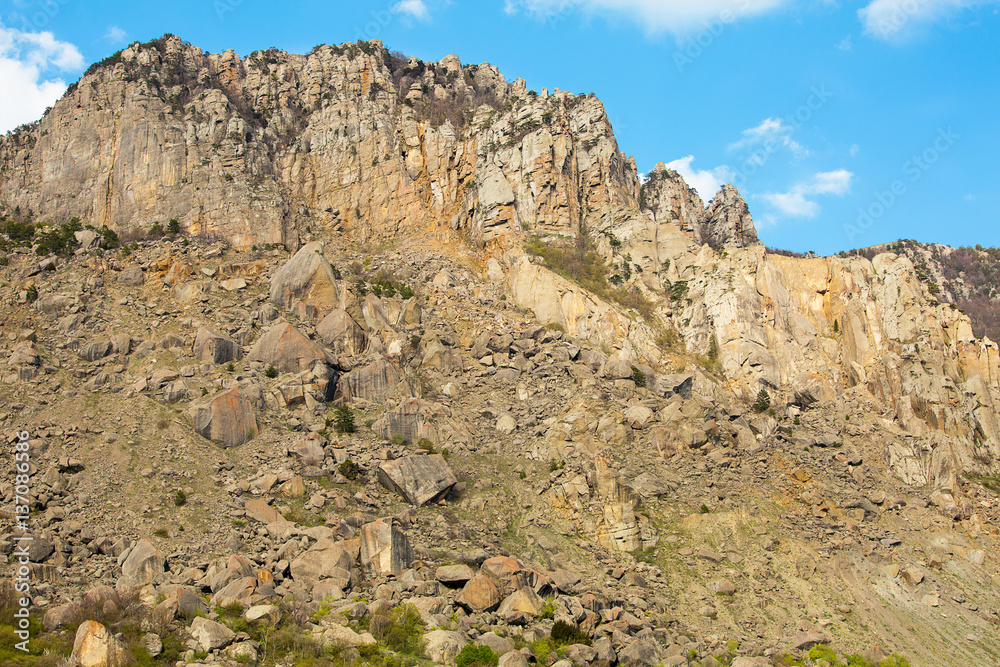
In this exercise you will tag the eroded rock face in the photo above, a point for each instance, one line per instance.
(385, 548)
(288, 350)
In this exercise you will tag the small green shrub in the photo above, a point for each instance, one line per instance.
(230, 367)
(704, 509)
(476, 656)
(823, 652)
(638, 377)
(173, 227)
(401, 629)
(180, 498)
(564, 634)
(349, 469)
(271, 372)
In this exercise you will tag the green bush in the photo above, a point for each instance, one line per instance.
(57, 240)
(476, 656)
(564, 634)
(271, 372)
(638, 377)
(823, 652)
(180, 498)
(349, 469)
(173, 227)
(400, 629)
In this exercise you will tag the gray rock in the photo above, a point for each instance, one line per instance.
(418, 479)
(211, 347)
(144, 564)
(306, 279)
(210, 635)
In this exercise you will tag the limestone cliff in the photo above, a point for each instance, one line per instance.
(354, 140)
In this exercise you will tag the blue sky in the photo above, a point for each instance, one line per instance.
(844, 124)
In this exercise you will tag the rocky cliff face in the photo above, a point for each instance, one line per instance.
(255, 150)
(280, 148)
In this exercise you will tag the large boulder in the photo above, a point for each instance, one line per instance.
(411, 420)
(521, 607)
(144, 564)
(342, 333)
(306, 283)
(288, 350)
(211, 635)
(419, 479)
(479, 595)
(641, 653)
(96, 646)
(229, 419)
(385, 549)
(332, 560)
(211, 347)
(374, 382)
(443, 646)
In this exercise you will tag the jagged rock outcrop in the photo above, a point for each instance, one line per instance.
(256, 150)
(727, 221)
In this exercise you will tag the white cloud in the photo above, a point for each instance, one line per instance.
(706, 182)
(897, 20)
(798, 202)
(854, 149)
(845, 44)
(415, 8)
(771, 133)
(676, 16)
(28, 61)
(115, 35)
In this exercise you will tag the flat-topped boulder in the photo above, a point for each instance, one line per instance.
(418, 479)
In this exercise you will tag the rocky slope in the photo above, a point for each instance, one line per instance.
(473, 268)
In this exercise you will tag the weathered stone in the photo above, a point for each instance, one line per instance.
(211, 635)
(418, 479)
(211, 347)
(229, 419)
(443, 646)
(342, 334)
(385, 549)
(95, 646)
(307, 279)
(288, 350)
(144, 564)
(641, 653)
(479, 595)
(454, 575)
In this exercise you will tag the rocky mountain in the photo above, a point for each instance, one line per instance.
(350, 358)
(967, 277)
